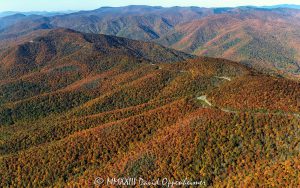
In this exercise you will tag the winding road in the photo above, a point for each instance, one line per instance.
(205, 100)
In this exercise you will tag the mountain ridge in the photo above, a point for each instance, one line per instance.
(77, 106)
(258, 32)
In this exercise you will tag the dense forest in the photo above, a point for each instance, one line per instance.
(83, 112)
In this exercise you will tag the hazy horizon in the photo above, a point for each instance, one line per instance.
(68, 5)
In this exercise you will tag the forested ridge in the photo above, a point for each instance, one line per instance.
(265, 39)
(103, 106)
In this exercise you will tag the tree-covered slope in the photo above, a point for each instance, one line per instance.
(262, 38)
(75, 106)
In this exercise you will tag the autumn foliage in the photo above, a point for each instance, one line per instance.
(87, 110)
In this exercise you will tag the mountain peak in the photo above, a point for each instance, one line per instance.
(63, 43)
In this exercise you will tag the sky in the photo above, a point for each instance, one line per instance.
(62, 5)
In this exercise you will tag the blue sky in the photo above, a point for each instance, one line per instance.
(59, 5)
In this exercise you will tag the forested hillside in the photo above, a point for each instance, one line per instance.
(76, 106)
(266, 39)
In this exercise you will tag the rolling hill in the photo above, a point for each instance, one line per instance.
(76, 106)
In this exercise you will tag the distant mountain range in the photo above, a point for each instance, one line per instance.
(46, 13)
(266, 39)
(41, 13)
(290, 6)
